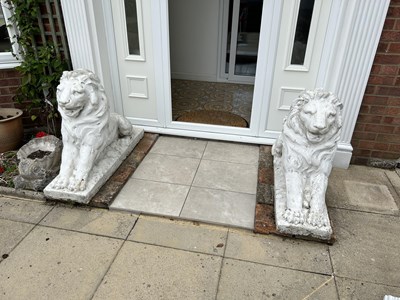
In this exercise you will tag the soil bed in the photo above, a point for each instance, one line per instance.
(38, 154)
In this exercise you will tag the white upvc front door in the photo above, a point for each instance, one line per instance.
(134, 44)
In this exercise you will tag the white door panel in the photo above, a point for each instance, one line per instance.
(133, 36)
(297, 61)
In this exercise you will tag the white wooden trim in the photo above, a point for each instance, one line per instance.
(112, 56)
(343, 155)
(234, 35)
(162, 61)
(209, 135)
(211, 128)
(223, 31)
(266, 62)
(7, 59)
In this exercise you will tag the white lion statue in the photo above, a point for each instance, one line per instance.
(87, 129)
(305, 151)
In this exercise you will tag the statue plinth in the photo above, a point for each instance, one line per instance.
(114, 155)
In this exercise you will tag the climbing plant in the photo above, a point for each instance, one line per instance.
(42, 62)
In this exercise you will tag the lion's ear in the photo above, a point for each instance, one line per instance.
(340, 105)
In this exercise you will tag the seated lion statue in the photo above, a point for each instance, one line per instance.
(306, 148)
(87, 127)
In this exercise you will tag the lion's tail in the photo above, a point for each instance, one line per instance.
(124, 126)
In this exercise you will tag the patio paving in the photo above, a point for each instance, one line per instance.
(208, 181)
(60, 251)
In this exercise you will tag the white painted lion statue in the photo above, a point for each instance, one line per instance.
(87, 129)
(305, 150)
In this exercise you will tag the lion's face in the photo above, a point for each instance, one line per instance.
(71, 97)
(318, 118)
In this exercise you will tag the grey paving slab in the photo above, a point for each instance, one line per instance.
(179, 146)
(23, 210)
(183, 235)
(394, 178)
(374, 197)
(11, 234)
(245, 280)
(232, 152)
(361, 290)
(150, 272)
(95, 221)
(362, 188)
(278, 251)
(220, 207)
(165, 168)
(151, 197)
(56, 264)
(367, 246)
(227, 176)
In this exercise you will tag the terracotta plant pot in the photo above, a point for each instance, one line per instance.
(11, 129)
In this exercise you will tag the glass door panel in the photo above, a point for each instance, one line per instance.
(242, 39)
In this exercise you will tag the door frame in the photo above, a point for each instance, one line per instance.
(353, 35)
(161, 30)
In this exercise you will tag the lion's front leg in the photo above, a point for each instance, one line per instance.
(318, 215)
(68, 155)
(87, 157)
(294, 197)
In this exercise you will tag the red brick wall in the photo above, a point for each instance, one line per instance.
(9, 82)
(377, 133)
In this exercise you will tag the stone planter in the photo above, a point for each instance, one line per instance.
(11, 130)
(40, 161)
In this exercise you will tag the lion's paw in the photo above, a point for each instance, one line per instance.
(294, 217)
(276, 151)
(61, 183)
(77, 185)
(317, 219)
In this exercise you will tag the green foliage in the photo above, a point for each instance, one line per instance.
(41, 65)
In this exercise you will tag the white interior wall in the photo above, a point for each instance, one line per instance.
(193, 29)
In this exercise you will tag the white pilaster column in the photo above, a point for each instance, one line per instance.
(355, 43)
(78, 28)
(85, 27)
(359, 42)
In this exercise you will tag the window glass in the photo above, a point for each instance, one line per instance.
(132, 27)
(5, 45)
(302, 32)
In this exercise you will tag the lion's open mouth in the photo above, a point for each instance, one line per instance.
(72, 112)
(314, 137)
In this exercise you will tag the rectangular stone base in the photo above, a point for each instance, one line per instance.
(113, 156)
(305, 229)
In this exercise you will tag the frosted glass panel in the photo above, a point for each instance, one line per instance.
(302, 32)
(132, 27)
